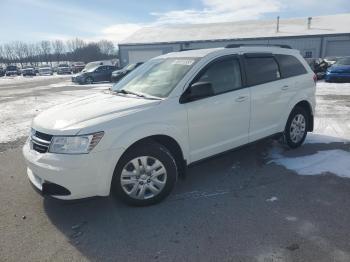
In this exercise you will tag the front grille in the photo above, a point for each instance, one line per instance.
(40, 141)
(43, 136)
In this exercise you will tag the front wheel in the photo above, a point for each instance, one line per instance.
(296, 128)
(89, 80)
(145, 175)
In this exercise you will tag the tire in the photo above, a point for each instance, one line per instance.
(296, 128)
(144, 190)
(89, 80)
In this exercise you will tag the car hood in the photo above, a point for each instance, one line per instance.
(340, 68)
(117, 72)
(71, 117)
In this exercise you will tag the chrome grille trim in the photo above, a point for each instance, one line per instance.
(39, 144)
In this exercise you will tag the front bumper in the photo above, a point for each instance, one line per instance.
(78, 176)
(79, 80)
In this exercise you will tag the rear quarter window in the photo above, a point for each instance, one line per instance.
(261, 70)
(290, 66)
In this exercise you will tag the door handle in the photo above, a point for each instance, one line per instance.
(241, 98)
(285, 87)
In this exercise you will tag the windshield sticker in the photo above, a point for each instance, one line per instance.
(187, 62)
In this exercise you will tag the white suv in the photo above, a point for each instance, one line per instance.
(175, 109)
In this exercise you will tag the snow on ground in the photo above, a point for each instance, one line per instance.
(335, 161)
(333, 110)
(332, 125)
(12, 80)
(18, 110)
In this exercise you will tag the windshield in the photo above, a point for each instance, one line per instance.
(343, 61)
(156, 77)
(130, 67)
(63, 65)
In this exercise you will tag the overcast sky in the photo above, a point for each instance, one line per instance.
(35, 20)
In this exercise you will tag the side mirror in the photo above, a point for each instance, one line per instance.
(197, 91)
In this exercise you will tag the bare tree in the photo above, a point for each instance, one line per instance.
(2, 56)
(106, 47)
(9, 54)
(20, 51)
(75, 44)
(46, 50)
(58, 49)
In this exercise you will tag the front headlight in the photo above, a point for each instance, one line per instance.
(81, 144)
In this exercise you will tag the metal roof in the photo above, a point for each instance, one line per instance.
(320, 25)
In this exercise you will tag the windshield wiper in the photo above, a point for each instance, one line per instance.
(127, 92)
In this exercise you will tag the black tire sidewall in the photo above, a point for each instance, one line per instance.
(89, 82)
(288, 141)
(150, 149)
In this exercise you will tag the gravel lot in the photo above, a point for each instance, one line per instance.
(252, 204)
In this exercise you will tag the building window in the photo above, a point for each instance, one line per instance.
(308, 54)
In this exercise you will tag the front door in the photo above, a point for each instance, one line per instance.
(220, 122)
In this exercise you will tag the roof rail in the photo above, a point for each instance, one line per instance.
(267, 45)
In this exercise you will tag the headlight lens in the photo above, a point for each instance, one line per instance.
(82, 144)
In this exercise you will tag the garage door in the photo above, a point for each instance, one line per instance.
(338, 48)
(142, 56)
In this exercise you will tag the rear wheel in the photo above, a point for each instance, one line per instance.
(296, 128)
(145, 175)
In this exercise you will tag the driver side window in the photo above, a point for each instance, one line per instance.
(224, 75)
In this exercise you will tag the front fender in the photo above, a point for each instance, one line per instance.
(132, 135)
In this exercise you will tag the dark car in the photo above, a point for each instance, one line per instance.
(78, 67)
(63, 69)
(119, 74)
(95, 74)
(339, 71)
(28, 71)
(12, 70)
(319, 66)
(2, 72)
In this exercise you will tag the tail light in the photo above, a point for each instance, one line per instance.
(315, 78)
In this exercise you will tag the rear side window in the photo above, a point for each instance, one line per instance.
(224, 75)
(261, 70)
(290, 66)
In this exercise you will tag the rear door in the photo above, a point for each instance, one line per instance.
(268, 94)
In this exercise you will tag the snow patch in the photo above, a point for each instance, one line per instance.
(314, 138)
(272, 199)
(329, 161)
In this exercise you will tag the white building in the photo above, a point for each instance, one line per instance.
(315, 37)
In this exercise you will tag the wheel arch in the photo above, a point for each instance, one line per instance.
(169, 143)
(308, 108)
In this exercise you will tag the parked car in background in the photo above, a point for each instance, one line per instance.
(96, 74)
(339, 71)
(319, 66)
(28, 71)
(2, 72)
(331, 60)
(94, 64)
(78, 67)
(45, 70)
(12, 70)
(177, 109)
(63, 69)
(119, 74)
